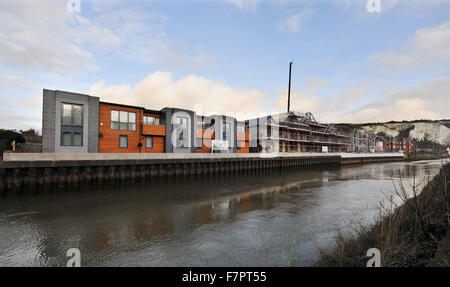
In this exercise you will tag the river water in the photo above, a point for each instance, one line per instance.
(264, 219)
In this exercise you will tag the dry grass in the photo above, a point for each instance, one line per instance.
(407, 234)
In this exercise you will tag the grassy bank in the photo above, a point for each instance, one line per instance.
(414, 233)
(425, 156)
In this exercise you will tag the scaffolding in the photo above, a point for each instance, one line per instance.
(362, 141)
(298, 132)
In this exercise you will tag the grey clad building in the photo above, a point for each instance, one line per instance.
(69, 122)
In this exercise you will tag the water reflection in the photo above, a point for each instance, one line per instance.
(216, 221)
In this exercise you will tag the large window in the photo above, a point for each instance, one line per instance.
(71, 124)
(148, 142)
(71, 114)
(123, 141)
(154, 121)
(122, 120)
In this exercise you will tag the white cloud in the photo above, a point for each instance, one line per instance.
(159, 90)
(357, 9)
(244, 4)
(429, 46)
(44, 35)
(14, 82)
(305, 100)
(347, 96)
(361, 5)
(295, 22)
(429, 101)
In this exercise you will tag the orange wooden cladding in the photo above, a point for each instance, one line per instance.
(206, 146)
(245, 148)
(243, 141)
(109, 141)
(154, 130)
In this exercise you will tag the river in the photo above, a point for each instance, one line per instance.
(263, 219)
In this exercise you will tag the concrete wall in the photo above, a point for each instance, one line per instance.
(93, 124)
(51, 121)
(7, 157)
(48, 121)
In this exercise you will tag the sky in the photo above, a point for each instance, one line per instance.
(353, 62)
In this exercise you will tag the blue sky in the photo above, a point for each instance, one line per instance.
(230, 56)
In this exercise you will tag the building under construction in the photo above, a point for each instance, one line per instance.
(295, 132)
(365, 142)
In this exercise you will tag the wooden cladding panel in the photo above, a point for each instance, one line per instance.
(245, 147)
(158, 145)
(154, 130)
(206, 146)
(109, 139)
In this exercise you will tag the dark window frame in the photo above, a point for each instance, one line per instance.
(118, 122)
(120, 136)
(72, 114)
(146, 142)
(146, 121)
(72, 131)
(71, 128)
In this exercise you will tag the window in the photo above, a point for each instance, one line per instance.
(71, 114)
(71, 124)
(226, 130)
(71, 138)
(122, 120)
(67, 139)
(123, 141)
(240, 129)
(76, 139)
(154, 121)
(114, 120)
(148, 142)
(131, 121)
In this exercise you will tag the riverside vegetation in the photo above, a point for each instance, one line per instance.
(412, 233)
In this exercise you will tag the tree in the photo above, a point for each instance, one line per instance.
(7, 136)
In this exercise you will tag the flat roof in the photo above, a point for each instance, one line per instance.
(133, 107)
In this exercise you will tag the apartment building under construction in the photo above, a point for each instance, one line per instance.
(295, 132)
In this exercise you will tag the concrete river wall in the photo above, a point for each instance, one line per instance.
(22, 173)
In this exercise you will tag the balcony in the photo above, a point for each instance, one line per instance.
(154, 130)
